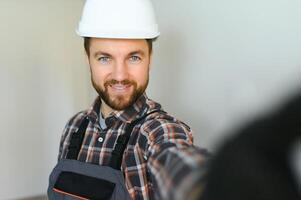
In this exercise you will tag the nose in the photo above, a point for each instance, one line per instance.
(120, 71)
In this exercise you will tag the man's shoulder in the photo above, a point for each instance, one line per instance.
(163, 120)
(162, 128)
(75, 120)
(157, 115)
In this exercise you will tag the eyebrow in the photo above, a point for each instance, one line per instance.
(109, 55)
(102, 53)
(137, 52)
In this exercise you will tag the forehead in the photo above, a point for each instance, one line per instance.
(118, 45)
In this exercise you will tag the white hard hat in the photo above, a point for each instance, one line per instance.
(126, 19)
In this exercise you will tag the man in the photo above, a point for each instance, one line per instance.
(124, 133)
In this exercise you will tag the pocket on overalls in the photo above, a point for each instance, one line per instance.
(78, 186)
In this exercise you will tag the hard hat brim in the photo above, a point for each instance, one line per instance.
(150, 33)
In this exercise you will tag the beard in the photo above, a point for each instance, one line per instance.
(120, 102)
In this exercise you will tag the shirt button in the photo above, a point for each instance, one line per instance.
(100, 139)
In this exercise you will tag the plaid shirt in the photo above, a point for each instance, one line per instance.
(159, 162)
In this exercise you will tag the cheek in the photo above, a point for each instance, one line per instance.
(98, 72)
(98, 76)
(141, 75)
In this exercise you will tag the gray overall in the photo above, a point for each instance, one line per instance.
(72, 179)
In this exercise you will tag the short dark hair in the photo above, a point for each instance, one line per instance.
(87, 45)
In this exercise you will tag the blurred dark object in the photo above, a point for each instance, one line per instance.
(255, 164)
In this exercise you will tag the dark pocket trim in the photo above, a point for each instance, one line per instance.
(69, 194)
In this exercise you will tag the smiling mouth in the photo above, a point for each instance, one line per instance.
(120, 87)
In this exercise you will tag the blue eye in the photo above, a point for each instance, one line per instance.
(135, 58)
(104, 59)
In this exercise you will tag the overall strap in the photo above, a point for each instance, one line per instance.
(122, 142)
(77, 139)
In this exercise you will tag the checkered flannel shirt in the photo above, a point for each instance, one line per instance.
(160, 161)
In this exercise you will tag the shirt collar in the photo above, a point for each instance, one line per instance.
(93, 111)
(142, 106)
(135, 111)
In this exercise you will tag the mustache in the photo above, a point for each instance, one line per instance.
(123, 82)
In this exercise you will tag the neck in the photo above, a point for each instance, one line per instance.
(105, 109)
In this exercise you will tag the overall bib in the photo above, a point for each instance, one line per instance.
(73, 180)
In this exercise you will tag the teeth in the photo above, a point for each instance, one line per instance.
(119, 87)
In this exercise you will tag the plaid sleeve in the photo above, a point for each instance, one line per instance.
(177, 167)
(63, 137)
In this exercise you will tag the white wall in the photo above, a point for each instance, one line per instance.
(43, 81)
(216, 64)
